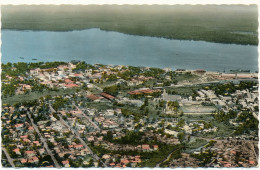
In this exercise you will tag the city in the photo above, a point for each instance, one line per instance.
(74, 114)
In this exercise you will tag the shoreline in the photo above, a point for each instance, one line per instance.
(114, 31)
(200, 71)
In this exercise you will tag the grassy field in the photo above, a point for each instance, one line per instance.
(35, 95)
(223, 24)
(187, 91)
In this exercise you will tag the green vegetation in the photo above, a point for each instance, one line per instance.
(127, 112)
(59, 102)
(249, 123)
(229, 88)
(20, 69)
(204, 157)
(82, 66)
(156, 157)
(173, 105)
(195, 144)
(113, 90)
(149, 159)
(223, 24)
(35, 95)
(225, 117)
(131, 138)
(184, 91)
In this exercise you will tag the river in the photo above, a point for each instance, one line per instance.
(105, 47)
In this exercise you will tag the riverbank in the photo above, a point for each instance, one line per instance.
(211, 23)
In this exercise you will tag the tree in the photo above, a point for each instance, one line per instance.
(113, 90)
(181, 136)
(91, 163)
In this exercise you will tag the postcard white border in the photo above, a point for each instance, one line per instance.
(129, 2)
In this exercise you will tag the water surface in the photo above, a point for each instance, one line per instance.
(97, 46)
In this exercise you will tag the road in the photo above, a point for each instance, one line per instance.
(10, 160)
(44, 142)
(78, 136)
(81, 140)
(222, 140)
(96, 126)
(255, 116)
(211, 82)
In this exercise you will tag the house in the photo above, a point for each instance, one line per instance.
(24, 137)
(125, 161)
(41, 151)
(19, 126)
(17, 151)
(71, 85)
(251, 162)
(66, 163)
(68, 81)
(37, 143)
(93, 97)
(145, 147)
(78, 146)
(30, 128)
(23, 161)
(30, 153)
(34, 159)
(91, 138)
(112, 164)
(155, 147)
(106, 156)
(107, 96)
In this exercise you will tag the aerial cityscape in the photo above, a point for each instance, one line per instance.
(121, 112)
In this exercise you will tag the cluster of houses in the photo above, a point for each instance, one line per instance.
(75, 128)
(23, 143)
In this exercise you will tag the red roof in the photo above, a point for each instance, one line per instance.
(30, 128)
(16, 150)
(36, 142)
(112, 164)
(145, 147)
(25, 136)
(251, 162)
(78, 146)
(155, 146)
(68, 81)
(50, 166)
(145, 91)
(93, 97)
(19, 125)
(65, 162)
(29, 152)
(77, 75)
(233, 152)
(125, 161)
(23, 160)
(71, 85)
(108, 96)
(227, 165)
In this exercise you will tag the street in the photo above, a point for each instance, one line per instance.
(78, 136)
(44, 142)
(87, 117)
(10, 160)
